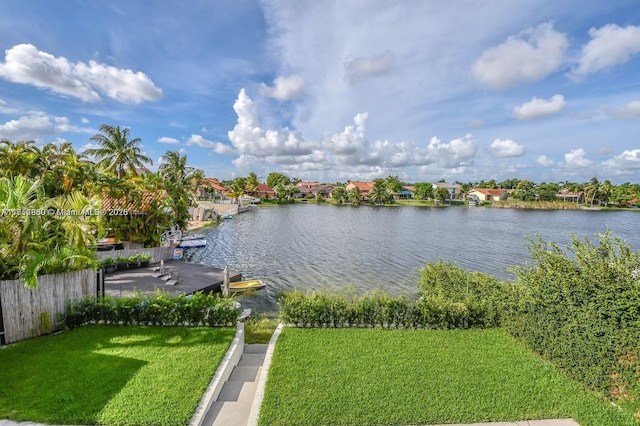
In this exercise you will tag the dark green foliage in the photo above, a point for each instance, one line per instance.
(482, 294)
(581, 310)
(159, 309)
(322, 309)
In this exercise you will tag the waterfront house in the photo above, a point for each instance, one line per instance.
(487, 194)
(219, 191)
(406, 193)
(264, 191)
(364, 187)
(452, 188)
(566, 195)
(313, 188)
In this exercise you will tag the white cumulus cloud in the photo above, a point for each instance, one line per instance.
(284, 88)
(507, 148)
(530, 56)
(34, 127)
(610, 45)
(576, 159)
(537, 108)
(457, 152)
(168, 140)
(627, 163)
(217, 147)
(250, 139)
(25, 64)
(544, 161)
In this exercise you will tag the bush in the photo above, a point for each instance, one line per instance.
(484, 296)
(159, 309)
(581, 310)
(378, 309)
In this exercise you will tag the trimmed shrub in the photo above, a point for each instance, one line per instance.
(378, 309)
(160, 309)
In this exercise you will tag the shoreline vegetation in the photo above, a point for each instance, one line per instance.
(506, 204)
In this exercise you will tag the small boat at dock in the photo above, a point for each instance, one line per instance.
(242, 286)
(193, 241)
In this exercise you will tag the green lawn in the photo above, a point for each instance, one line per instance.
(375, 376)
(113, 375)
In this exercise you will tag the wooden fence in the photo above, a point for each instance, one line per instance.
(157, 253)
(28, 312)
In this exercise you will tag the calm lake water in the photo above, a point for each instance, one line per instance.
(311, 247)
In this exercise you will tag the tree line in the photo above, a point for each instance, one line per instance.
(51, 200)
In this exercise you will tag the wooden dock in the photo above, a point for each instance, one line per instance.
(192, 277)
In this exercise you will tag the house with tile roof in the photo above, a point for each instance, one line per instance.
(364, 187)
(488, 194)
(134, 203)
(219, 190)
(264, 191)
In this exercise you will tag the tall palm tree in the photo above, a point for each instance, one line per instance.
(117, 154)
(20, 158)
(251, 184)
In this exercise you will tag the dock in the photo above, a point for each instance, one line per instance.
(191, 278)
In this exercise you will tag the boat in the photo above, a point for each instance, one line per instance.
(192, 243)
(242, 286)
(193, 237)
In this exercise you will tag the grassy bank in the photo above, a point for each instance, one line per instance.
(373, 376)
(112, 375)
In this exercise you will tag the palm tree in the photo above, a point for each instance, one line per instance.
(20, 158)
(591, 189)
(379, 194)
(251, 184)
(117, 155)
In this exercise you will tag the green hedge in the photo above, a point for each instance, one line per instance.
(580, 309)
(486, 298)
(158, 309)
(322, 309)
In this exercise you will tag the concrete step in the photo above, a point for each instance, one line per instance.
(255, 360)
(233, 406)
(256, 348)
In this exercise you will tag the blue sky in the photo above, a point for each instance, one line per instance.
(336, 90)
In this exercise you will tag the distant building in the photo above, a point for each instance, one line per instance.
(566, 195)
(451, 187)
(364, 187)
(219, 190)
(264, 191)
(486, 194)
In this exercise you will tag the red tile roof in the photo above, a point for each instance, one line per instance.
(131, 203)
(488, 191)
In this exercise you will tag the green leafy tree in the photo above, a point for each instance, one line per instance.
(423, 190)
(394, 184)
(441, 194)
(117, 153)
(339, 195)
(274, 179)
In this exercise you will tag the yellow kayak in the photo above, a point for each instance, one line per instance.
(240, 286)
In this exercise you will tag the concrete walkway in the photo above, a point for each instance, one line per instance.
(233, 405)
